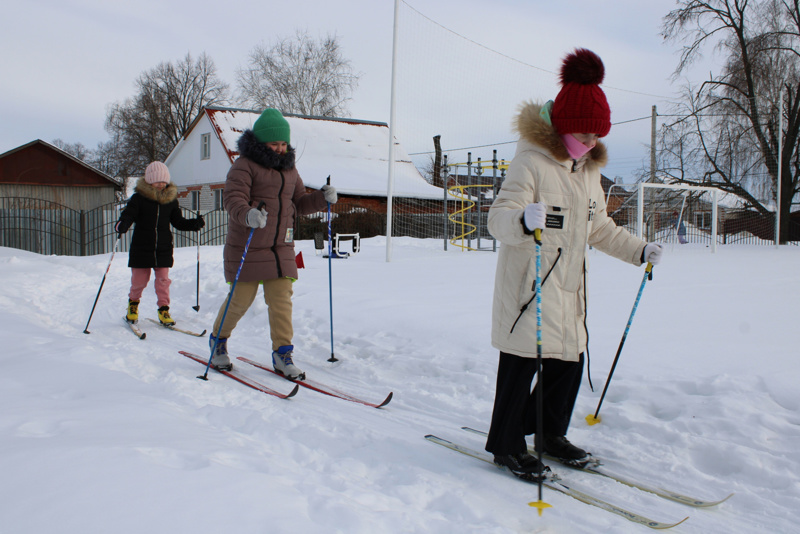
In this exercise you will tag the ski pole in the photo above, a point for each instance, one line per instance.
(648, 274)
(540, 505)
(204, 376)
(197, 306)
(116, 243)
(330, 276)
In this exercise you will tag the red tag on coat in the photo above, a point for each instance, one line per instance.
(299, 260)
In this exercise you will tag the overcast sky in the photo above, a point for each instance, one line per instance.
(65, 61)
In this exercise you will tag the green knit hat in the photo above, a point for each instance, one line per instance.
(271, 127)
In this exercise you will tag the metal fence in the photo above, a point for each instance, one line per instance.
(46, 227)
(734, 226)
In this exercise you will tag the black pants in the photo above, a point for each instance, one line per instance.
(514, 414)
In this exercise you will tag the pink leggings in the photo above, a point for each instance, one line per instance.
(140, 278)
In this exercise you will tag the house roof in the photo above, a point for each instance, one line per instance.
(114, 181)
(355, 153)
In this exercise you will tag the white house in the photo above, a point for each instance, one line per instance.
(354, 153)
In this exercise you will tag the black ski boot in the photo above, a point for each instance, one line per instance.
(565, 452)
(523, 465)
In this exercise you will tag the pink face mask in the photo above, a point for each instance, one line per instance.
(575, 148)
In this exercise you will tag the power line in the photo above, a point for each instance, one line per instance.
(509, 142)
(661, 97)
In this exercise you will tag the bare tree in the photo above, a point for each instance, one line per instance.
(147, 126)
(728, 134)
(298, 75)
(77, 150)
(106, 158)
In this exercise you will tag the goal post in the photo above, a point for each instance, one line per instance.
(658, 213)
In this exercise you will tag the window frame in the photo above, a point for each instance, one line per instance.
(205, 146)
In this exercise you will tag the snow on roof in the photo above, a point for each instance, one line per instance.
(354, 153)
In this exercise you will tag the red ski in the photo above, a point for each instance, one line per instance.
(322, 388)
(239, 377)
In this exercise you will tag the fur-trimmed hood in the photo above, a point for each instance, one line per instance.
(165, 196)
(256, 151)
(534, 129)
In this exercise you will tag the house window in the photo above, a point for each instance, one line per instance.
(205, 146)
(702, 220)
(217, 199)
(195, 200)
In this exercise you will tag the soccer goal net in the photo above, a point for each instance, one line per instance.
(686, 215)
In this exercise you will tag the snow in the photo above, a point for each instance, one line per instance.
(107, 433)
(355, 153)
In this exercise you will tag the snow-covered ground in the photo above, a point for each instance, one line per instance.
(107, 433)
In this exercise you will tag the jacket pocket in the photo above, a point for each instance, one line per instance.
(558, 211)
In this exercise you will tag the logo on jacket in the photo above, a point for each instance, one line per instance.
(554, 220)
(592, 209)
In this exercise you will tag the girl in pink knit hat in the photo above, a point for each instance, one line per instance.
(153, 208)
(552, 184)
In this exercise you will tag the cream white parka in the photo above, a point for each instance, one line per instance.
(542, 171)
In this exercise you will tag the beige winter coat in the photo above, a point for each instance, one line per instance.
(542, 171)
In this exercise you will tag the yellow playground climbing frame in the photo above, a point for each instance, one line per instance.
(463, 228)
(460, 216)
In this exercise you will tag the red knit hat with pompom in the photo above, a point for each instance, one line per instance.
(581, 106)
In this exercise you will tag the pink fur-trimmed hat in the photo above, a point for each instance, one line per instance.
(156, 172)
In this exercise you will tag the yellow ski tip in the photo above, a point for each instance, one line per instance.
(540, 506)
(592, 420)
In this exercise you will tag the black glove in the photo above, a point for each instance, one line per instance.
(199, 222)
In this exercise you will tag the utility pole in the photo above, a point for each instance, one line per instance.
(653, 145)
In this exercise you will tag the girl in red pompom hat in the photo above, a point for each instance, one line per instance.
(553, 184)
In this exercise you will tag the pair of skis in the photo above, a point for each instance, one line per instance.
(310, 384)
(559, 483)
(141, 334)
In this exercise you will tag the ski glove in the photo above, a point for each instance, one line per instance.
(199, 222)
(652, 253)
(330, 193)
(257, 218)
(534, 216)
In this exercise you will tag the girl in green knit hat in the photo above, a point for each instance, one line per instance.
(264, 172)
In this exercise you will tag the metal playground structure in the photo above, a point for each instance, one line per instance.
(471, 187)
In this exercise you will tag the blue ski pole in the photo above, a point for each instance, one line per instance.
(204, 376)
(196, 307)
(648, 274)
(330, 276)
(540, 505)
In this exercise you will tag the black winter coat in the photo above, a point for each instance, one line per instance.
(153, 211)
